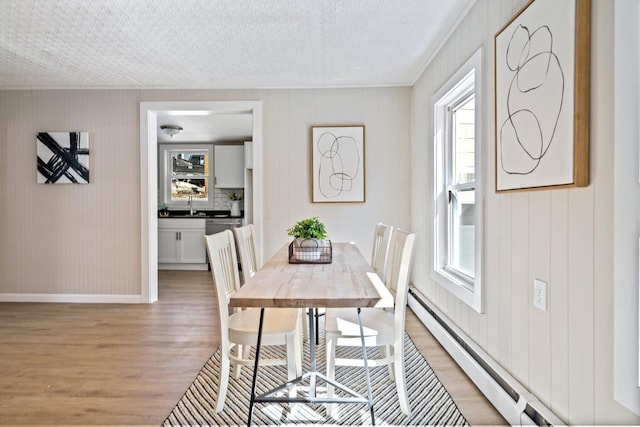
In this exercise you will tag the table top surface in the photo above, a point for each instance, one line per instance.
(348, 281)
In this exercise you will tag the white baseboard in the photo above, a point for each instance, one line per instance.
(199, 267)
(515, 403)
(72, 298)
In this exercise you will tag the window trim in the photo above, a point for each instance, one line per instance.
(164, 174)
(454, 90)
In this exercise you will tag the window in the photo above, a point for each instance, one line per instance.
(185, 172)
(457, 217)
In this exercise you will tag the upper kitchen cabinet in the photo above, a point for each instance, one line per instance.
(248, 155)
(229, 166)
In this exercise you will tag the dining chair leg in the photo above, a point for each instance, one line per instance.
(386, 351)
(294, 368)
(224, 381)
(366, 367)
(305, 326)
(243, 353)
(401, 383)
(300, 334)
(331, 369)
(315, 312)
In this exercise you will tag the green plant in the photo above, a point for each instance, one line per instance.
(310, 228)
(234, 196)
(164, 208)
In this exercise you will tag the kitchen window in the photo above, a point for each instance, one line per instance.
(185, 173)
(457, 217)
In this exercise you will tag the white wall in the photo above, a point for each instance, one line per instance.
(626, 202)
(74, 239)
(564, 237)
(85, 239)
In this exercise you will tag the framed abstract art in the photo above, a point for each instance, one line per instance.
(337, 164)
(542, 97)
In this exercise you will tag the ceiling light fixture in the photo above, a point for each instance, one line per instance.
(171, 130)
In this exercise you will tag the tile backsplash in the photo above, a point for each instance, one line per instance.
(221, 200)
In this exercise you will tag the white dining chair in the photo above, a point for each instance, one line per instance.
(382, 328)
(239, 330)
(381, 236)
(246, 245)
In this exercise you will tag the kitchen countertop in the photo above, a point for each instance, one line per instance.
(200, 214)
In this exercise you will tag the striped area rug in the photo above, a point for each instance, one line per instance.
(430, 402)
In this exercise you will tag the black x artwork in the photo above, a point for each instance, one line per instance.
(63, 157)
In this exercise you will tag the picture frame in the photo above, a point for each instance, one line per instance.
(542, 72)
(62, 157)
(338, 164)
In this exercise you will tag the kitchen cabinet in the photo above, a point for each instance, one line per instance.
(181, 243)
(229, 166)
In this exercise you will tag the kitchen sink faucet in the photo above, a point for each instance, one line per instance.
(190, 203)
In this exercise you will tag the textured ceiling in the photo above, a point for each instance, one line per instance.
(220, 43)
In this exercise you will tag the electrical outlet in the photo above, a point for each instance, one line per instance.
(540, 294)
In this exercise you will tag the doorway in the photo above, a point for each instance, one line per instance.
(149, 112)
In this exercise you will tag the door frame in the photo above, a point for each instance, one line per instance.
(149, 178)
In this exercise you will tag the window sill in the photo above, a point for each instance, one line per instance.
(465, 290)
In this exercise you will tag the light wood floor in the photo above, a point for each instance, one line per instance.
(117, 364)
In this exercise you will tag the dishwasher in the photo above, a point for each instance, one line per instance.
(216, 225)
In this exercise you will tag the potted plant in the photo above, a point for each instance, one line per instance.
(234, 196)
(309, 234)
(164, 210)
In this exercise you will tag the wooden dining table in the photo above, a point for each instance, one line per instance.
(347, 281)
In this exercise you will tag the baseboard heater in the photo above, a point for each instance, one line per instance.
(514, 402)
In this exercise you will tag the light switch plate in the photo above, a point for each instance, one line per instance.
(540, 294)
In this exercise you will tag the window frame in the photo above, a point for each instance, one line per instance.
(466, 81)
(165, 174)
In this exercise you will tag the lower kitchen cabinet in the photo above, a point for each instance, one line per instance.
(181, 244)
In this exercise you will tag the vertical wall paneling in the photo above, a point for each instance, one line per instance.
(558, 300)
(563, 355)
(89, 236)
(421, 183)
(520, 287)
(626, 192)
(603, 167)
(491, 275)
(71, 221)
(539, 321)
(581, 306)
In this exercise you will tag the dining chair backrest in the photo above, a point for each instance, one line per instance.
(399, 260)
(381, 236)
(246, 250)
(224, 268)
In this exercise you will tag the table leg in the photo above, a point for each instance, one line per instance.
(366, 367)
(312, 354)
(312, 375)
(255, 368)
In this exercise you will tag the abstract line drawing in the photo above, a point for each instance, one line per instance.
(529, 129)
(63, 157)
(542, 62)
(338, 164)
